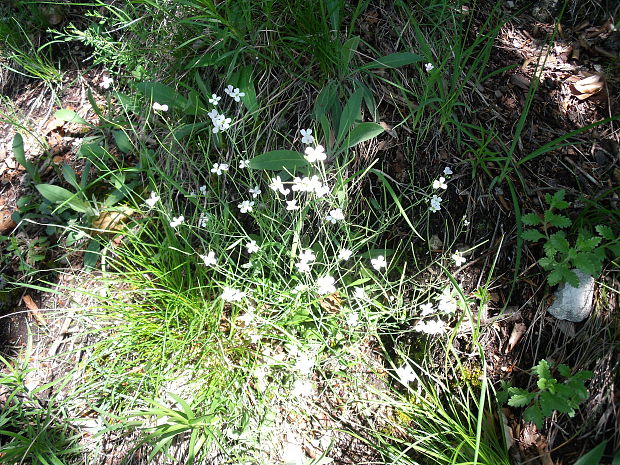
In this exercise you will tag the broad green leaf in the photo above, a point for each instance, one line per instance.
(394, 60)
(60, 195)
(244, 81)
(350, 114)
(70, 176)
(605, 231)
(325, 99)
(532, 235)
(348, 49)
(122, 141)
(162, 94)
(189, 128)
(362, 132)
(70, 116)
(54, 194)
(531, 219)
(18, 150)
(534, 415)
(20, 157)
(287, 160)
(210, 59)
(91, 255)
(595, 455)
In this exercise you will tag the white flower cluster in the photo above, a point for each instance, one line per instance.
(219, 120)
(306, 258)
(232, 295)
(311, 185)
(435, 201)
(159, 107)
(431, 327)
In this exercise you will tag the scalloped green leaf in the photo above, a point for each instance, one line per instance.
(531, 219)
(534, 415)
(558, 221)
(605, 231)
(532, 235)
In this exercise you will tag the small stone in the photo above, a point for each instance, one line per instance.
(435, 243)
(574, 303)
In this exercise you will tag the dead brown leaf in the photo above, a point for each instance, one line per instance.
(34, 310)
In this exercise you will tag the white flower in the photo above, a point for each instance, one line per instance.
(429, 67)
(246, 318)
(301, 388)
(353, 319)
(335, 215)
(321, 190)
(234, 93)
(378, 263)
(106, 82)
(446, 303)
(219, 168)
(152, 200)
(426, 309)
(406, 374)
(344, 254)
(360, 293)
(440, 183)
(215, 99)
(465, 222)
(232, 295)
(303, 267)
(447, 171)
(255, 191)
(431, 327)
(314, 154)
(176, 222)
(203, 219)
(458, 258)
(435, 203)
(213, 114)
(307, 256)
(307, 137)
(305, 364)
(203, 190)
(277, 185)
(220, 123)
(158, 107)
(292, 205)
(325, 285)
(244, 164)
(246, 206)
(252, 247)
(209, 259)
(300, 288)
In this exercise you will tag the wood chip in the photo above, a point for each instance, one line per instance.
(517, 333)
(34, 310)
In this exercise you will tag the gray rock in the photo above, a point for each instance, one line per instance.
(574, 303)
